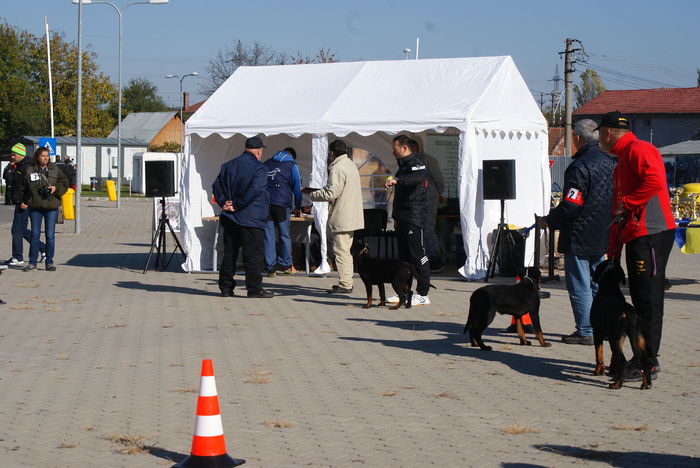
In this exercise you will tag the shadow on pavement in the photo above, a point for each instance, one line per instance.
(164, 288)
(165, 454)
(129, 261)
(622, 459)
(454, 343)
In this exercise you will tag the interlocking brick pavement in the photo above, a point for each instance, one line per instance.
(97, 349)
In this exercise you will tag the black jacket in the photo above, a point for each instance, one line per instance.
(436, 181)
(410, 191)
(17, 184)
(583, 215)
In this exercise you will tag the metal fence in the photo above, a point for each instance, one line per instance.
(557, 171)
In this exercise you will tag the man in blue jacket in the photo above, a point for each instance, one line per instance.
(583, 218)
(240, 189)
(283, 182)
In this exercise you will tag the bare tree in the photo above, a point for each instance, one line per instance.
(227, 60)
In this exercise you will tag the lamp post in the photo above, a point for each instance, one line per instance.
(406, 51)
(182, 123)
(120, 158)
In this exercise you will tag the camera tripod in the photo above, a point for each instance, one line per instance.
(159, 242)
(502, 231)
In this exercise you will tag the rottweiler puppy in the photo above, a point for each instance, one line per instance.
(614, 319)
(516, 300)
(379, 271)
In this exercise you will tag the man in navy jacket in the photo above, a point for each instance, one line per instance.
(583, 218)
(240, 189)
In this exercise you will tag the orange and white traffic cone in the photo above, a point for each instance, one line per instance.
(208, 446)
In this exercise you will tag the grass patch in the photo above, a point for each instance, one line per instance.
(279, 423)
(389, 394)
(630, 427)
(66, 445)
(129, 444)
(449, 395)
(520, 428)
(258, 380)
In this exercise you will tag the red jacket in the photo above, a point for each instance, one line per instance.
(639, 185)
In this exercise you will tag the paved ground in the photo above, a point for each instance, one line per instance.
(97, 350)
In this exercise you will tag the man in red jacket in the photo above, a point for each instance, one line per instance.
(645, 225)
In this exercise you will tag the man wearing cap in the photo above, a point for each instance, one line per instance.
(20, 219)
(642, 206)
(583, 218)
(240, 189)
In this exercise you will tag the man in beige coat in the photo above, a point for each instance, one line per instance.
(344, 196)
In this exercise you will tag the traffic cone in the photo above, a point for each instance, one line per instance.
(208, 446)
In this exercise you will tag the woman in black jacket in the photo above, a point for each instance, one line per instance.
(44, 184)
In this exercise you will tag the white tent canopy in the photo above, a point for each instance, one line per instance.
(483, 100)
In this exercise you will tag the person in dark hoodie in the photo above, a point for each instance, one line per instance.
(284, 187)
(240, 189)
(410, 205)
(43, 186)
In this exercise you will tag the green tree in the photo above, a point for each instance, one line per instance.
(140, 95)
(24, 102)
(591, 87)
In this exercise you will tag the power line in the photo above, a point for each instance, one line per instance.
(629, 76)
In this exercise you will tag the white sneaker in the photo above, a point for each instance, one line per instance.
(393, 299)
(417, 300)
(14, 262)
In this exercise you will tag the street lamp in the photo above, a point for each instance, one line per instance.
(406, 51)
(182, 123)
(120, 156)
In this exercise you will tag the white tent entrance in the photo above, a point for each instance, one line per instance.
(484, 101)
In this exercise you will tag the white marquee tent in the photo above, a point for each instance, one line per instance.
(483, 100)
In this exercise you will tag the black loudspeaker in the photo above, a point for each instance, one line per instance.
(160, 178)
(499, 179)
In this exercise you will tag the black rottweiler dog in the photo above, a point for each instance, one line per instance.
(379, 271)
(613, 319)
(516, 300)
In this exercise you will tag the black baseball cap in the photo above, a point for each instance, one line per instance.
(614, 119)
(254, 143)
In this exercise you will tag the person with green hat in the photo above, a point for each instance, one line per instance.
(20, 221)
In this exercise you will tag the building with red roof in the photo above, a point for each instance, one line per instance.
(663, 116)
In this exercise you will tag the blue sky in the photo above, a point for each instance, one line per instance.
(651, 40)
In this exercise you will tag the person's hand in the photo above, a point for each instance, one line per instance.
(24, 206)
(306, 190)
(622, 212)
(541, 222)
(228, 206)
(52, 188)
(389, 182)
(297, 213)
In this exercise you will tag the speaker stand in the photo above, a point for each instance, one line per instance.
(538, 235)
(159, 242)
(503, 230)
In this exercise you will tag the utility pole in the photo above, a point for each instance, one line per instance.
(541, 101)
(568, 89)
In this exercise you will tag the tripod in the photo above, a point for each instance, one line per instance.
(159, 242)
(502, 231)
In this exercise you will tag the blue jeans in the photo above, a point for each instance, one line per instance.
(272, 256)
(578, 271)
(20, 232)
(49, 218)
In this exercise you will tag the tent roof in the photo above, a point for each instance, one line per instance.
(367, 97)
(684, 147)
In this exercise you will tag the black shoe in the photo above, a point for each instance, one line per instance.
(634, 374)
(226, 293)
(338, 290)
(261, 294)
(575, 338)
(50, 267)
(29, 267)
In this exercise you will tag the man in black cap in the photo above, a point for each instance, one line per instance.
(642, 207)
(241, 191)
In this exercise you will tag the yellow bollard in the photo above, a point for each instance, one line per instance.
(111, 190)
(67, 202)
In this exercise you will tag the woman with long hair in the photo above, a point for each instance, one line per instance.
(44, 184)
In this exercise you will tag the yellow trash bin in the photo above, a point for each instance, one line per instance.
(67, 202)
(111, 190)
